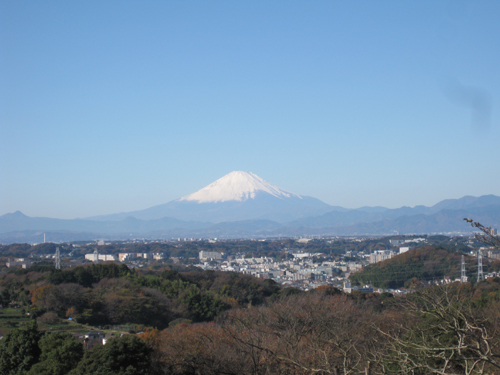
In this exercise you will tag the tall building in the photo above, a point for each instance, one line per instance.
(381, 255)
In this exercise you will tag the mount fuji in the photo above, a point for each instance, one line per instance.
(237, 196)
(243, 205)
(237, 186)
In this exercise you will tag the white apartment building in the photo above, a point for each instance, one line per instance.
(404, 249)
(381, 255)
(24, 263)
(122, 257)
(102, 257)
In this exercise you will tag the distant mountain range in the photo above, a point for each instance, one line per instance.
(243, 205)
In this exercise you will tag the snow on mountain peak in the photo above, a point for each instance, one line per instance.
(237, 186)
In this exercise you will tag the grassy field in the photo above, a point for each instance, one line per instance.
(12, 318)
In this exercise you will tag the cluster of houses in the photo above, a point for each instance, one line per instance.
(122, 257)
(303, 271)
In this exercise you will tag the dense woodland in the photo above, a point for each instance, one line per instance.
(106, 294)
(437, 330)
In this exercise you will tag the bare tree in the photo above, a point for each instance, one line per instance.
(308, 334)
(486, 236)
(197, 349)
(450, 336)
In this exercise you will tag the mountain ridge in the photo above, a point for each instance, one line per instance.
(443, 221)
(245, 205)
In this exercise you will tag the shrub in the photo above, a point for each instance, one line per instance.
(48, 318)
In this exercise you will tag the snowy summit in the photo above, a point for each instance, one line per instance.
(237, 186)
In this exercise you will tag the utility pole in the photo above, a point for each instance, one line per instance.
(480, 275)
(463, 277)
(58, 259)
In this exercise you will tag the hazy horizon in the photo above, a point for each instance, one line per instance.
(116, 107)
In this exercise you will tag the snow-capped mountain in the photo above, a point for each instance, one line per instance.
(237, 186)
(241, 217)
(234, 197)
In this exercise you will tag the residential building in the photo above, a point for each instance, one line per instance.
(209, 255)
(381, 255)
(102, 257)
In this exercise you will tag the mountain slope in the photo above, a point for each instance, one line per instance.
(466, 203)
(20, 228)
(379, 215)
(444, 221)
(237, 196)
(19, 222)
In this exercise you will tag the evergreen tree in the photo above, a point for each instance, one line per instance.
(60, 353)
(19, 350)
(126, 355)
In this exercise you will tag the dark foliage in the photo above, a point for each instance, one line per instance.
(126, 355)
(86, 276)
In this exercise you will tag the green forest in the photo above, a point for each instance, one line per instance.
(110, 294)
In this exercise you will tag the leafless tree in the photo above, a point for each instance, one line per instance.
(308, 334)
(486, 236)
(450, 336)
(199, 349)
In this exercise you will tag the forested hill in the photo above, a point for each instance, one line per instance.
(418, 265)
(106, 294)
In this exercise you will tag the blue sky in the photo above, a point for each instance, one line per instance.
(117, 106)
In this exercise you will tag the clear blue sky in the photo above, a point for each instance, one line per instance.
(121, 105)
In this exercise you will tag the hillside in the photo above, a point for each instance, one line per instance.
(419, 265)
(103, 294)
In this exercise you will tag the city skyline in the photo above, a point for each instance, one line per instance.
(115, 107)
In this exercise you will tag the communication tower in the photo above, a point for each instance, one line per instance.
(463, 277)
(480, 275)
(96, 255)
(58, 259)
